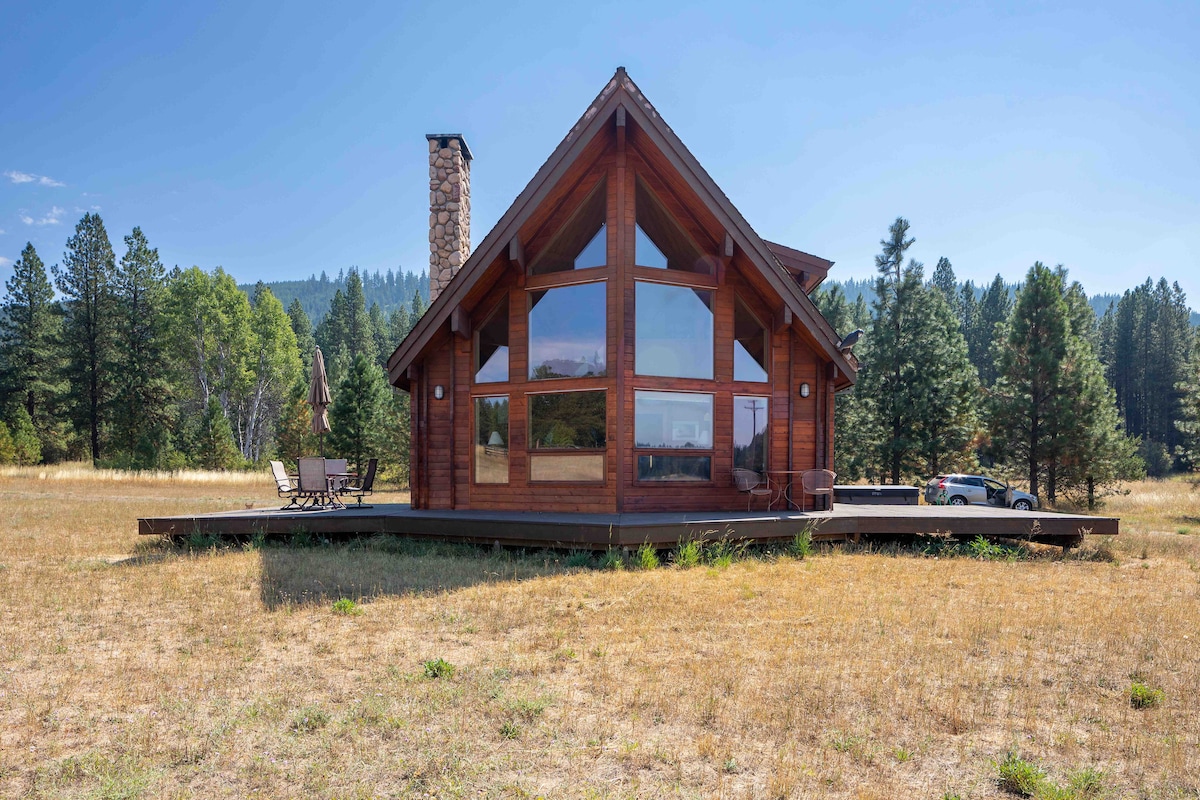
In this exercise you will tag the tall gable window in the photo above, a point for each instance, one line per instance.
(567, 331)
(674, 331)
(580, 243)
(749, 346)
(659, 242)
(491, 347)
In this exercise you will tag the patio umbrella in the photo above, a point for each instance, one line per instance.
(319, 398)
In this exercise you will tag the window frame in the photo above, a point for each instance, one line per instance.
(475, 398)
(547, 453)
(500, 307)
(708, 452)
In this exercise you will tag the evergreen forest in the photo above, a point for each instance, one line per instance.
(119, 361)
(1028, 382)
(108, 356)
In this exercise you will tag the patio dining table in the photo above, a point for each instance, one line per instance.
(783, 478)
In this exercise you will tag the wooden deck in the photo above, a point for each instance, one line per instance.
(599, 531)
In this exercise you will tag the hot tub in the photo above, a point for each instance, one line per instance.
(877, 495)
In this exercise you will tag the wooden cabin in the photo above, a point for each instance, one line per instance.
(620, 341)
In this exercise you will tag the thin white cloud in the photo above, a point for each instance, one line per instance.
(2, 231)
(53, 217)
(4, 262)
(25, 177)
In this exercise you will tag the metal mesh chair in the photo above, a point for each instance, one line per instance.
(817, 482)
(754, 485)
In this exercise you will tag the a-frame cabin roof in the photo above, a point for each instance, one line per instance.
(621, 93)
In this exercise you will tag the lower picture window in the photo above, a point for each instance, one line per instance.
(491, 439)
(674, 468)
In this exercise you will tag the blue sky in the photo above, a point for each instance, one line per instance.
(279, 140)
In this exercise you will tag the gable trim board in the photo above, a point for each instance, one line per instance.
(622, 99)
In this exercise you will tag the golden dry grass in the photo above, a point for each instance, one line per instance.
(128, 669)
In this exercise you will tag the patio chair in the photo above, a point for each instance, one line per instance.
(335, 470)
(314, 485)
(754, 485)
(284, 487)
(366, 484)
(817, 482)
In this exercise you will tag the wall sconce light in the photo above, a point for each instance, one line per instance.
(438, 392)
(804, 390)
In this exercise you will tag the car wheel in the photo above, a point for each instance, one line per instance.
(958, 500)
(1022, 505)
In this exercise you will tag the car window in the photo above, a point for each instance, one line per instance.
(973, 481)
(994, 484)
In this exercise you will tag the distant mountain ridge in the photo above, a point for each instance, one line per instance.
(391, 290)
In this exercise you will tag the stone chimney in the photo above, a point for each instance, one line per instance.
(449, 208)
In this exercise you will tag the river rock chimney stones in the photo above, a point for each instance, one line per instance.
(449, 208)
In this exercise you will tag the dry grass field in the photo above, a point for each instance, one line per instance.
(129, 668)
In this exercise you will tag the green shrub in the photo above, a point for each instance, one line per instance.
(1142, 695)
(687, 554)
(1020, 776)
(801, 545)
(202, 541)
(647, 556)
(1087, 783)
(612, 559)
(723, 552)
(510, 730)
(579, 558)
(347, 607)
(438, 668)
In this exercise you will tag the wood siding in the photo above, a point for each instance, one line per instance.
(800, 429)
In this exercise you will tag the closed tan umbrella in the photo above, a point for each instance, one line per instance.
(319, 398)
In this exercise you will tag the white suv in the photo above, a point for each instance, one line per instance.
(961, 490)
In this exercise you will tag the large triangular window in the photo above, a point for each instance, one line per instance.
(659, 242)
(582, 242)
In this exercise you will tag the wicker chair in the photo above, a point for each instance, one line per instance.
(754, 485)
(817, 482)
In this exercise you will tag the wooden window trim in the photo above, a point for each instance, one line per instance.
(554, 280)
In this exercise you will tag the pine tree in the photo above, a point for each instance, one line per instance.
(916, 388)
(994, 309)
(29, 329)
(355, 416)
(27, 449)
(143, 406)
(89, 329)
(1148, 345)
(1053, 417)
(944, 281)
(398, 325)
(294, 437)
(8, 453)
(215, 448)
(303, 329)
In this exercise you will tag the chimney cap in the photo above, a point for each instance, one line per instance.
(444, 139)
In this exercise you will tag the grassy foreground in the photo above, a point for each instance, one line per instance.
(132, 669)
